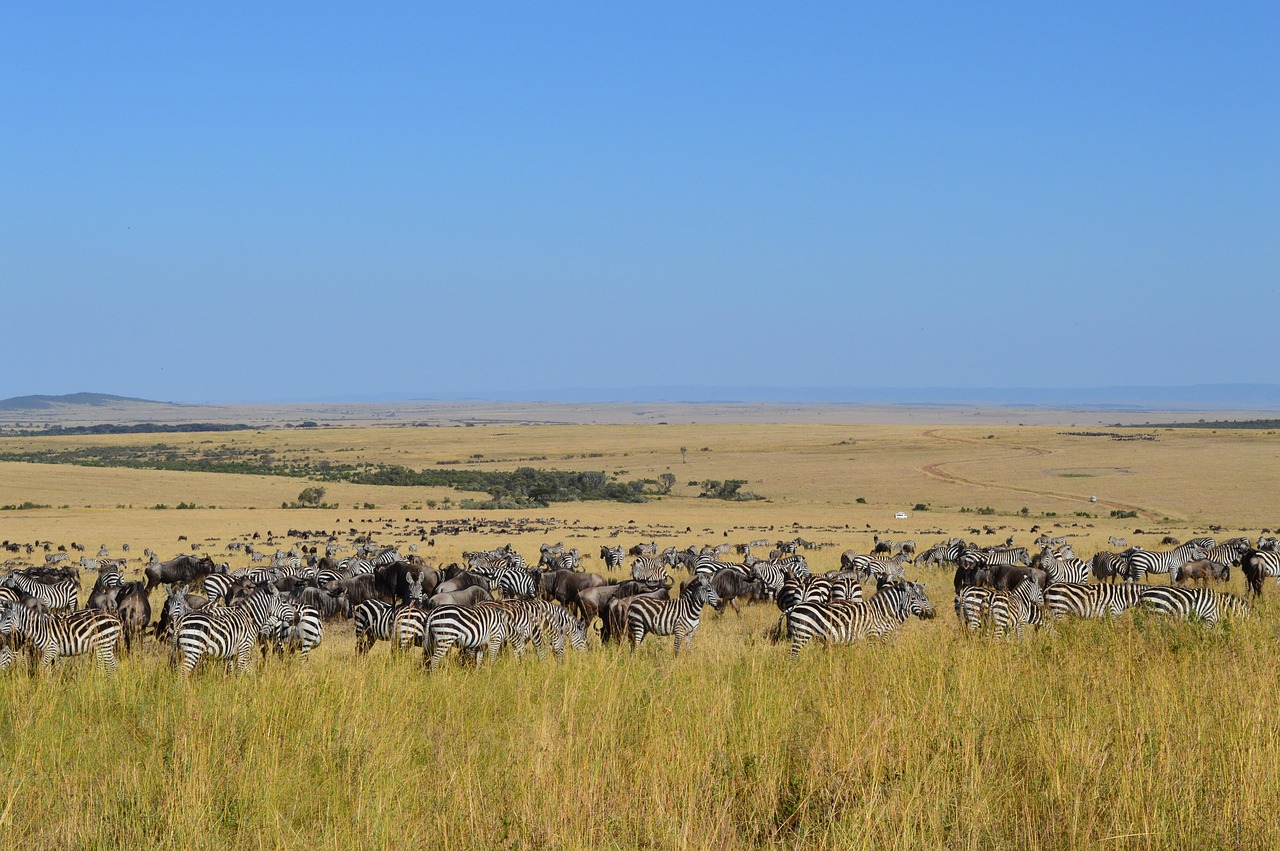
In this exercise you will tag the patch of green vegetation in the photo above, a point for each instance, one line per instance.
(24, 506)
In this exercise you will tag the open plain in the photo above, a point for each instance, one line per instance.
(1132, 733)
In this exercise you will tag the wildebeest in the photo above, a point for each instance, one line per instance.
(468, 596)
(184, 569)
(729, 585)
(1201, 571)
(134, 610)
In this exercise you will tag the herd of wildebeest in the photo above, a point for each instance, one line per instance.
(491, 599)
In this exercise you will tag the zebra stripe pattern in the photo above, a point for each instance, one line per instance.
(228, 633)
(373, 619)
(1142, 562)
(679, 618)
(63, 634)
(844, 623)
(473, 629)
(57, 596)
(650, 569)
(1193, 603)
(1091, 601)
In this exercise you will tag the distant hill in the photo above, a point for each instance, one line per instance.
(44, 403)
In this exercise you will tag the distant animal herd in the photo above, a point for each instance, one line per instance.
(493, 599)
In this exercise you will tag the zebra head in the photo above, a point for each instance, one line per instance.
(700, 593)
(578, 634)
(917, 602)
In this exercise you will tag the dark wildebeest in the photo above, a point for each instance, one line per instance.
(1005, 577)
(1257, 566)
(325, 603)
(181, 569)
(134, 610)
(461, 582)
(1202, 571)
(465, 597)
(729, 585)
(563, 586)
(614, 616)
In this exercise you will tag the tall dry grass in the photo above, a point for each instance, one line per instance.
(1133, 734)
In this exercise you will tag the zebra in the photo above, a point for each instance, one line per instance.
(57, 596)
(941, 554)
(514, 582)
(1091, 601)
(792, 565)
(973, 606)
(679, 617)
(651, 569)
(1142, 562)
(612, 556)
(1228, 552)
(844, 623)
(1257, 566)
(1012, 609)
(473, 629)
(373, 619)
(1189, 603)
(772, 574)
(300, 631)
(1120, 543)
(64, 634)
(228, 632)
(868, 566)
(217, 587)
(1063, 568)
(408, 626)
(1108, 566)
(558, 623)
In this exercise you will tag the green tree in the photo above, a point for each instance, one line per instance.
(311, 497)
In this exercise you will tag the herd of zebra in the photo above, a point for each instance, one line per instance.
(493, 598)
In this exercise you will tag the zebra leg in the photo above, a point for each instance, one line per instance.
(48, 654)
(438, 651)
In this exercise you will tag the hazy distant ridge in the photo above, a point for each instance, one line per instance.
(43, 403)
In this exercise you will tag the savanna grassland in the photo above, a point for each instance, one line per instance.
(1132, 734)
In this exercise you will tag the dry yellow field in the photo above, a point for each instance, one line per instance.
(1134, 734)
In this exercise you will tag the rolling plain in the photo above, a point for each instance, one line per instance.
(1132, 733)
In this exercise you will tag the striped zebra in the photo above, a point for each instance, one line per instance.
(228, 632)
(651, 569)
(301, 630)
(408, 627)
(1061, 565)
(1011, 609)
(792, 565)
(973, 606)
(217, 587)
(942, 554)
(56, 596)
(373, 620)
(1193, 603)
(557, 624)
(1257, 565)
(1142, 562)
(679, 617)
(771, 574)
(613, 557)
(1122, 543)
(472, 629)
(1228, 553)
(1108, 566)
(63, 634)
(1091, 601)
(844, 623)
(514, 582)
(878, 567)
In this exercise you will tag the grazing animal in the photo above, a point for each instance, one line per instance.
(228, 632)
(1257, 565)
(134, 610)
(473, 629)
(49, 636)
(1091, 601)
(1142, 562)
(844, 623)
(679, 618)
(56, 596)
(1193, 603)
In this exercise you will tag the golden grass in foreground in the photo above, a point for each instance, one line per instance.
(1137, 734)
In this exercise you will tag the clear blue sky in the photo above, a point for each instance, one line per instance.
(266, 201)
